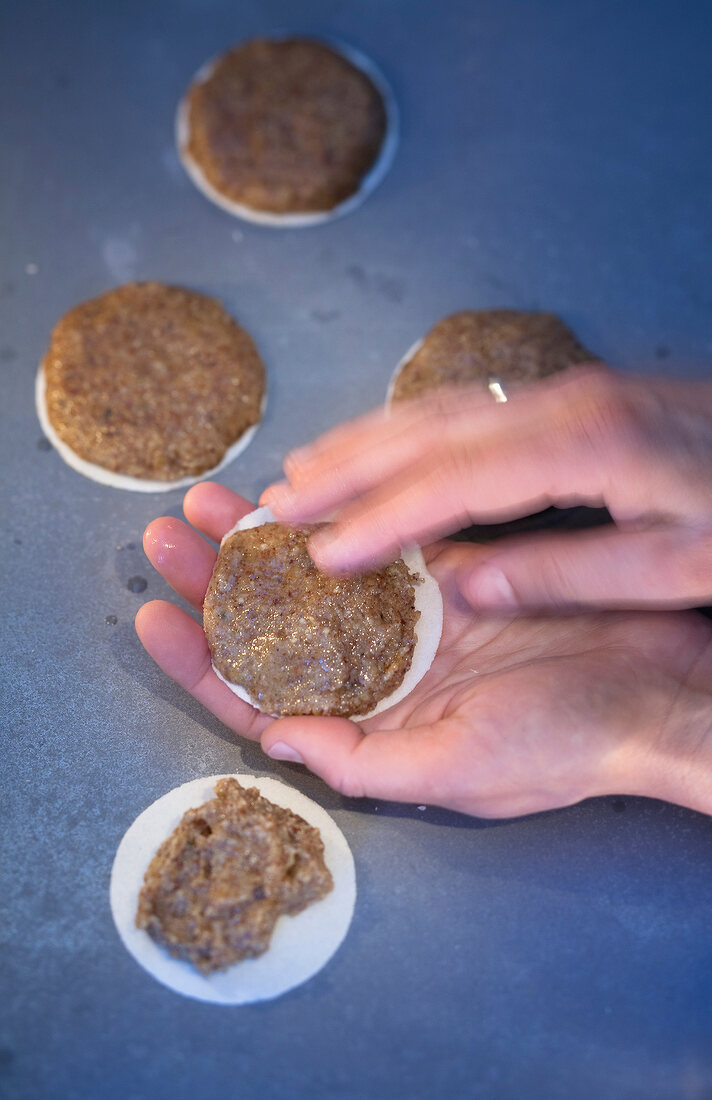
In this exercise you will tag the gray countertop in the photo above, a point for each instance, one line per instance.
(554, 156)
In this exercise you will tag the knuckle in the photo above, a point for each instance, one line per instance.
(599, 401)
(295, 468)
(694, 566)
(555, 582)
(340, 475)
(457, 470)
(441, 412)
(347, 782)
(383, 524)
(604, 415)
(438, 405)
(452, 481)
(589, 377)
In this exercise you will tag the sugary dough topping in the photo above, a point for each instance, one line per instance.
(152, 381)
(285, 125)
(300, 641)
(479, 345)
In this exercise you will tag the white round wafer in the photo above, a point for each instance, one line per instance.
(301, 945)
(410, 354)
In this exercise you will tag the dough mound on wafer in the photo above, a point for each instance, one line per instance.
(287, 131)
(216, 887)
(150, 387)
(300, 945)
(292, 640)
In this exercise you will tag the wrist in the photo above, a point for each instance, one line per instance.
(674, 764)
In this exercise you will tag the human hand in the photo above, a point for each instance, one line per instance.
(515, 714)
(641, 447)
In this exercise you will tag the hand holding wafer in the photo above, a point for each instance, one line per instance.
(515, 715)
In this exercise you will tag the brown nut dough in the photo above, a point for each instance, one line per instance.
(299, 641)
(285, 125)
(152, 381)
(216, 887)
(481, 345)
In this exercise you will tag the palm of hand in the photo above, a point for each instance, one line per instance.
(514, 715)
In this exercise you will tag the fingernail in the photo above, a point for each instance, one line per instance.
(278, 497)
(324, 550)
(321, 542)
(280, 751)
(489, 587)
(297, 456)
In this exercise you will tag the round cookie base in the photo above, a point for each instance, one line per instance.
(297, 219)
(428, 601)
(301, 945)
(125, 481)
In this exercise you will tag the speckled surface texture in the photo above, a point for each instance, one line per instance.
(553, 156)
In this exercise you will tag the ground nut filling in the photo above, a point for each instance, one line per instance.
(216, 887)
(302, 642)
(473, 346)
(152, 381)
(286, 125)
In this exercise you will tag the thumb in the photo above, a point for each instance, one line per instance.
(401, 765)
(663, 567)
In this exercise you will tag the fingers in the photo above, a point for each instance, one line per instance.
(429, 500)
(178, 646)
(185, 560)
(358, 455)
(182, 557)
(213, 509)
(450, 461)
(661, 568)
(588, 436)
(406, 765)
(454, 485)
